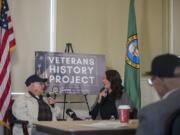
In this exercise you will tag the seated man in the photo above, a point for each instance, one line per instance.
(32, 106)
(165, 78)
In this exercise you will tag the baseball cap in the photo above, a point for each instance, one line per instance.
(164, 66)
(34, 78)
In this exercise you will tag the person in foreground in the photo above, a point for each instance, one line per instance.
(110, 97)
(165, 78)
(33, 106)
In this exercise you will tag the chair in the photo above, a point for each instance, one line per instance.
(13, 120)
(173, 124)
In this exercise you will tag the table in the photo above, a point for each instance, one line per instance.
(87, 127)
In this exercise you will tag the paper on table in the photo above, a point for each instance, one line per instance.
(105, 124)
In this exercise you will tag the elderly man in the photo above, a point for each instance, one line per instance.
(32, 106)
(165, 78)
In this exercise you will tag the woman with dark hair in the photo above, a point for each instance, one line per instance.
(110, 97)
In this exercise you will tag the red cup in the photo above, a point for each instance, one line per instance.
(123, 111)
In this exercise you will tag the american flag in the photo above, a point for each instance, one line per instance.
(7, 43)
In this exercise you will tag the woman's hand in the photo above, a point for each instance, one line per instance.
(102, 94)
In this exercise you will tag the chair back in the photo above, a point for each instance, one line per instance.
(13, 120)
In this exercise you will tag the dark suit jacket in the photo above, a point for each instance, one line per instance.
(173, 125)
(108, 107)
(153, 117)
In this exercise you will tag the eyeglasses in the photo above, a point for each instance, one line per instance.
(150, 81)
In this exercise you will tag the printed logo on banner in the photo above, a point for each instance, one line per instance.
(71, 73)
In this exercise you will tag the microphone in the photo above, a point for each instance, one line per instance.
(72, 114)
(49, 97)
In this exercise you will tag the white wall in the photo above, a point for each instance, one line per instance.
(176, 28)
(31, 21)
(100, 27)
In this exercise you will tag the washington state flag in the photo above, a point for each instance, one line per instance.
(132, 60)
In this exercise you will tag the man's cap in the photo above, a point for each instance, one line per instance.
(34, 78)
(164, 65)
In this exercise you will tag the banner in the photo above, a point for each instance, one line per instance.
(71, 73)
